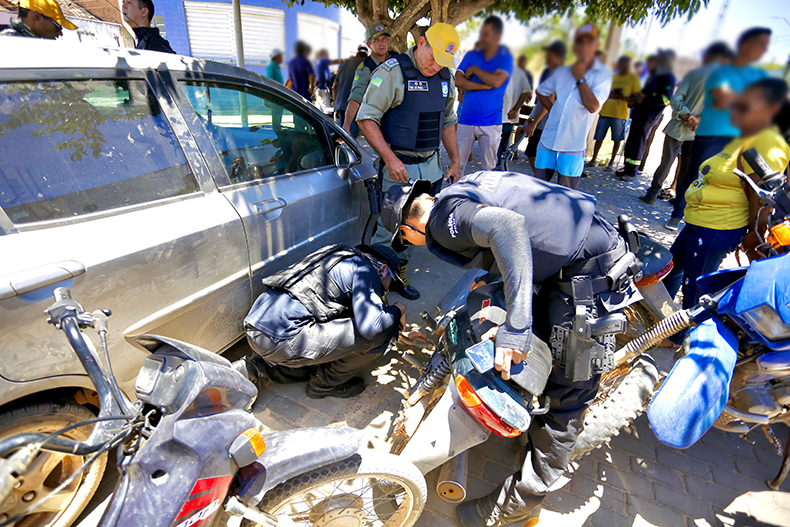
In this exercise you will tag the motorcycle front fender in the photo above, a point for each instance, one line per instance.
(697, 389)
(295, 452)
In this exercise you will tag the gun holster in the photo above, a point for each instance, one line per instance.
(587, 348)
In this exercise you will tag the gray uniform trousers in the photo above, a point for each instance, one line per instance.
(430, 170)
(325, 354)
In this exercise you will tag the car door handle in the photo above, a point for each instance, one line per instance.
(31, 279)
(270, 208)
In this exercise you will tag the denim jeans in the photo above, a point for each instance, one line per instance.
(698, 251)
(507, 130)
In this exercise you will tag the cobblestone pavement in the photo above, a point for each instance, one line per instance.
(635, 481)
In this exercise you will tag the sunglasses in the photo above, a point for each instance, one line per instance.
(57, 26)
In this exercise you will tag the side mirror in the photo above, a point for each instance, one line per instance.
(345, 158)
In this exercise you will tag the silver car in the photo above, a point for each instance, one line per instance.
(161, 187)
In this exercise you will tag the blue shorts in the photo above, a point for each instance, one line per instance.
(570, 164)
(605, 123)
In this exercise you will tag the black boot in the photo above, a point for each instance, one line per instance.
(254, 369)
(409, 292)
(350, 388)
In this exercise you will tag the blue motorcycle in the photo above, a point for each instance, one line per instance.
(735, 371)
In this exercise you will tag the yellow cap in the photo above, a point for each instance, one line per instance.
(587, 30)
(444, 40)
(48, 8)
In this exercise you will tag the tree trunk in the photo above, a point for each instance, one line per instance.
(447, 11)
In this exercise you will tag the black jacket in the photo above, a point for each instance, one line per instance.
(149, 38)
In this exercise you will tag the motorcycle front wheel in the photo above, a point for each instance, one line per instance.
(622, 397)
(365, 490)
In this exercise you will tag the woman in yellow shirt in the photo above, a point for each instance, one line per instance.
(719, 209)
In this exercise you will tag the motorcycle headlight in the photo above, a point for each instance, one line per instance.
(767, 321)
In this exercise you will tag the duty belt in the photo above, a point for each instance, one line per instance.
(414, 160)
(587, 347)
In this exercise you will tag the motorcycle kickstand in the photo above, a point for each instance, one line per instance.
(783, 472)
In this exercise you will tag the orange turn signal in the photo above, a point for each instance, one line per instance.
(467, 393)
(256, 441)
(780, 235)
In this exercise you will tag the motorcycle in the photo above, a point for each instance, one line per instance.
(190, 452)
(734, 370)
(453, 407)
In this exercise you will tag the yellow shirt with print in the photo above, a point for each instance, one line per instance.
(716, 199)
(628, 84)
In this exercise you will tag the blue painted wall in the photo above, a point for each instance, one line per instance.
(176, 23)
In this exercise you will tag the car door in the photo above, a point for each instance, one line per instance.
(102, 190)
(275, 164)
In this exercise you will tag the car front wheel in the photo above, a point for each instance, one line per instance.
(50, 469)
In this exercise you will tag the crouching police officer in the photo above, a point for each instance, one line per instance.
(530, 232)
(409, 106)
(323, 319)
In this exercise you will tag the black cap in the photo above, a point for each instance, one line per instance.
(558, 47)
(386, 255)
(395, 199)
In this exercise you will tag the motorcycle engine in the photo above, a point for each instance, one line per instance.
(764, 397)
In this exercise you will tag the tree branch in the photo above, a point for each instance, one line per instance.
(439, 10)
(363, 12)
(380, 10)
(461, 11)
(413, 12)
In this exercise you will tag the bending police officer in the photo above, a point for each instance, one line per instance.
(409, 107)
(323, 319)
(529, 231)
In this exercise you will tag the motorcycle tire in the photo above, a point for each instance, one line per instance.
(51, 468)
(364, 465)
(621, 400)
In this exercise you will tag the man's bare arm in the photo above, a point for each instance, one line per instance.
(495, 79)
(589, 100)
(722, 97)
(462, 82)
(351, 114)
(450, 141)
(547, 101)
(519, 104)
(375, 138)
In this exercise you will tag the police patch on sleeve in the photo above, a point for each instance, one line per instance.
(445, 89)
(391, 62)
(376, 81)
(418, 86)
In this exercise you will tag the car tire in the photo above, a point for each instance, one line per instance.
(51, 468)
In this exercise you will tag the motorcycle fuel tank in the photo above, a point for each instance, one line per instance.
(697, 389)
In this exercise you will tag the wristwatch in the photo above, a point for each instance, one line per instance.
(580, 81)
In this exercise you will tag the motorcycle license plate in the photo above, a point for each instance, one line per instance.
(482, 355)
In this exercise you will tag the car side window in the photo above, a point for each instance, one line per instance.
(256, 134)
(70, 148)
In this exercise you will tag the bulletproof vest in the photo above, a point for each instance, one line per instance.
(557, 218)
(309, 282)
(371, 63)
(417, 123)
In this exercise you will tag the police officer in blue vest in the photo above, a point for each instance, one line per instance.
(323, 319)
(409, 107)
(529, 232)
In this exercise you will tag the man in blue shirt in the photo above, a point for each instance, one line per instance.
(273, 68)
(484, 75)
(300, 71)
(713, 130)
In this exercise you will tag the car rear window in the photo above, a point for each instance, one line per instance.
(69, 148)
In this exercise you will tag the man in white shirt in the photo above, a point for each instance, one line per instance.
(518, 93)
(572, 95)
